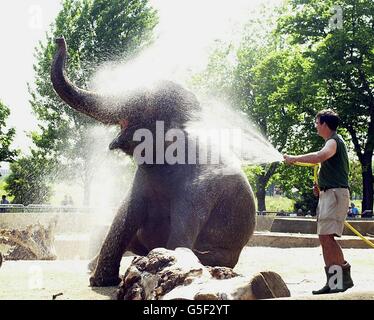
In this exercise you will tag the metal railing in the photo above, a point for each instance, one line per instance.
(43, 208)
(366, 215)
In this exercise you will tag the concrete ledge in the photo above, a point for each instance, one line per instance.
(66, 222)
(294, 225)
(309, 226)
(264, 223)
(298, 240)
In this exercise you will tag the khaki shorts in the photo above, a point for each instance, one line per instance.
(332, 211)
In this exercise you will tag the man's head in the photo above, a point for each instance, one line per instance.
(326, 122)
(3, 196)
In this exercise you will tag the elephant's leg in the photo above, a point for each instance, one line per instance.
(129, 218)
(137, 247)
(186, 222)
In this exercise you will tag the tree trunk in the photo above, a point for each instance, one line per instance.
(367, 180)
(261, 183)
(365, 157)
(260, 195)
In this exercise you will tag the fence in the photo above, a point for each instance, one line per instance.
(46, 208)
(366, 215)
(42, 208)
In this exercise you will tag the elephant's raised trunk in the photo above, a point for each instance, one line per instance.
(84, 101)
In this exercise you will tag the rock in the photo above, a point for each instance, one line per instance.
(178, 274)
(35, 242)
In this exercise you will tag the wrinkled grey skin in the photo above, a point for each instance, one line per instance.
(194, 206)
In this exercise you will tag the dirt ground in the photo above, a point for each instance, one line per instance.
(300, 268)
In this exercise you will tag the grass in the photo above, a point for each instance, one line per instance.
(2, 185)
(2, 190)
(278, 203)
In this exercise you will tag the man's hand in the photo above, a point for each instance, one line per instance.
(289, 159)
(316, 190)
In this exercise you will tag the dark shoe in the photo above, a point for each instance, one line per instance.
(347, 281)
(326, 289)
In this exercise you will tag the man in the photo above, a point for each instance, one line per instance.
(333, 204)
(353, 211)
(3, 201)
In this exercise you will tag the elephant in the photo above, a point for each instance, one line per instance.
(190, 205)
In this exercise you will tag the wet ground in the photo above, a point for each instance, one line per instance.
(300, 268)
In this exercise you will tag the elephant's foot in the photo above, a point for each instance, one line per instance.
(218, 256)
(101, 280)
(106, 274)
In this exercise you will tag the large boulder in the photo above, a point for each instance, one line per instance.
(178, 274)
(35, 242)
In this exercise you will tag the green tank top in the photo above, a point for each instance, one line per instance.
(334, 171)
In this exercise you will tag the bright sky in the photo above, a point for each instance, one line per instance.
(24, 22)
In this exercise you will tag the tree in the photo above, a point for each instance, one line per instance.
(30, 180)
(338, 38)
(259, 71)
(96, 31)
(270, 89)
(6, 136)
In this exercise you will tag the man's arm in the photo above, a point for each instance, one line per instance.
(315, 157)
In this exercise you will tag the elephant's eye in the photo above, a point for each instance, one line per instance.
(123, 124)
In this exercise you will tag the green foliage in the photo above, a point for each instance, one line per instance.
(96, 31)
(279, 203)
(355, 179)
(252, 172)
(30, 179)
(242, 84)
(6, 136)
(342, 59)
(217, 78)
(282, 79)
(342, 67)
(2, 187)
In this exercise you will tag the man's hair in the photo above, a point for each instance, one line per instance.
(329, 117)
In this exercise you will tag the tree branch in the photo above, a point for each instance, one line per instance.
(355, 141)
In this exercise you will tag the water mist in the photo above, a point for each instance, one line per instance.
(185, 37)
